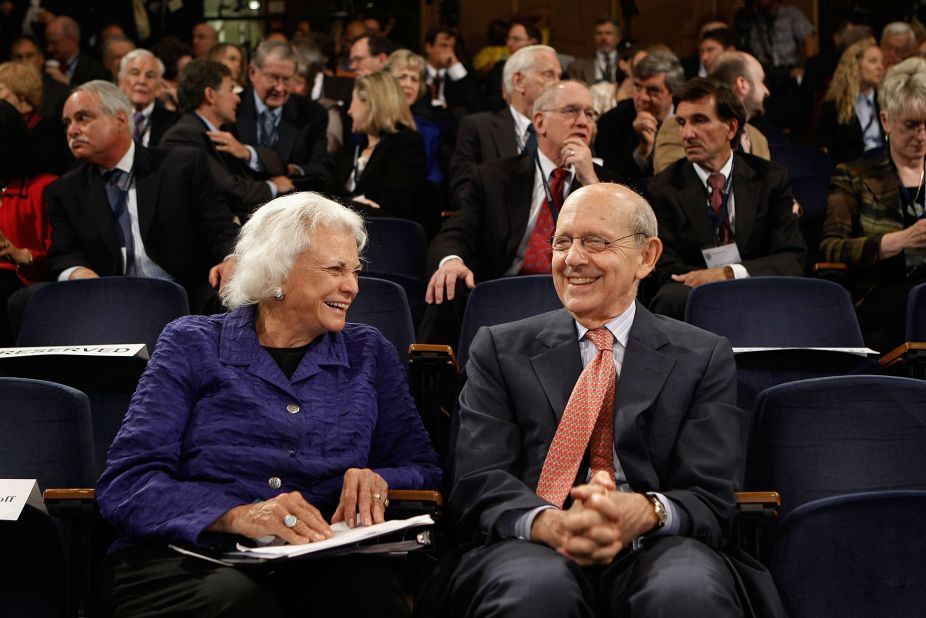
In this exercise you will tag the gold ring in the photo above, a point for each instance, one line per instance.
(572, 153)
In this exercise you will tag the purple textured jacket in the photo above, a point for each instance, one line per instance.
(214, 424)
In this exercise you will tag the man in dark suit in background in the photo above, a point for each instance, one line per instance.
(488, 136)
(505, 218)
(128, 210)
(599, 445)
(246, 176)
(721, 215)
(62, 42)
(451, 86)
(25, 49)
(602, 67)
(140, 75)
(270, 116)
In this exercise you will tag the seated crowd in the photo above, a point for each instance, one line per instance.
(631, 176)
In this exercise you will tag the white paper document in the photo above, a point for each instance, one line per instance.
(15, 494)
(342, 536)
(115, 349)
(855, 351)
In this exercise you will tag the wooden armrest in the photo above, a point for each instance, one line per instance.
(426, 352)
(416, 495)
(830, 266)
(64, 494)
(897, 354)
(758, 497)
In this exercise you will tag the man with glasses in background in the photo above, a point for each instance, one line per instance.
(271, 116)
(507, 214)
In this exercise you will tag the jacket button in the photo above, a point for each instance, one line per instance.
(292, 408)
(275, 482)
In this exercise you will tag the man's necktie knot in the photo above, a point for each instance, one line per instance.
(602, 338)
(716, 181)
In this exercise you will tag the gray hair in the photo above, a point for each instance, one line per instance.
(112, 100)
(135, 54)
(520, 61)
(899, 27)
(277, 50)
(279, 232)
(903, 89)
(547, 95)
(642, 218)
(656, 63)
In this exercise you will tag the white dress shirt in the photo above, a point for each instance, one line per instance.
(739, 271)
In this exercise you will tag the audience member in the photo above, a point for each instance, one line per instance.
(409, 69)
(384, 177)
(280, 388)
(488, 136)
(713, 43)
(233, 57)
(629, 56)
(507, 214)
(849, 119)
(128, 210)
(746, 78)
(204, 38)
(27, 51)
(627, 134)
(495, 49)
(608, 490)
(270, 116)
(21, 87)
(24, 230)
(451, 86)
(246, 176)
(174, 54)
(369, 52)
(875, 211)
(140, 78)
(520, 35)
(114, 49)
(722, 215)
(603, 66)
(692, 63)
(898, 42)
(66, 63)
(331, 92)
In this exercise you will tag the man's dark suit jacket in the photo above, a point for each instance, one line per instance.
(462, 95)
(88, 69)
(843, 142)
(161, 120)
(54, 94)
(767, 233)
(482, 137)
(617, 140)
(242, 189)
(338, 89)
(393, 177)
(677, 429)
(185, 225)
(492, 217)
(302, 138)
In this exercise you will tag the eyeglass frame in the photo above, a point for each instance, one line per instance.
(573, 111)
(582, 241)
(276, 79)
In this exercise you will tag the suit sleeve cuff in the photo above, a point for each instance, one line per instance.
(522, 527)
(66, 273)
(447, 259)
(273, 189)
(254, 162)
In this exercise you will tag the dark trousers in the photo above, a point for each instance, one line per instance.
(149, 581)
(670, 576)
(670, 300)
(882, 315)
(9, 284)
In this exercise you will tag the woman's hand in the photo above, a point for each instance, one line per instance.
(914, 237)
(270, 517)
(364, 494)
(11, 253)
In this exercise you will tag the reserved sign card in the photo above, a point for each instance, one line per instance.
(120, 349)
(16, 494)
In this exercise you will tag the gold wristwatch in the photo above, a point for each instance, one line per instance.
(661, 514)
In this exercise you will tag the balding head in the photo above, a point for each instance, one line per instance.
(745, 77)
(62, 39)
(605, 243)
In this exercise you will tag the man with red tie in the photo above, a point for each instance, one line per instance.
(599, 445)
(507, 214)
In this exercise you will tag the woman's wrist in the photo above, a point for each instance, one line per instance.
(25, 258)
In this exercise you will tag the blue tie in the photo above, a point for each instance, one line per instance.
(117, 185)
(267, 129)
(140, 126)
(530, 146)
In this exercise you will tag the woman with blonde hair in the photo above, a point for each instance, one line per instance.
(409, 68)
(849, 126)
(382, 175)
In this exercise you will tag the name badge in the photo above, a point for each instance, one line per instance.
(15, 494)
(718, 257)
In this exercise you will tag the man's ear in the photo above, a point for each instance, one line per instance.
(649, 254)
(209, 96)
(742, 86)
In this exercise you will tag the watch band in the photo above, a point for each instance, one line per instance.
(659, 509)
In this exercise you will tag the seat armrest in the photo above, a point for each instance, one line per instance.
(831, 266)
(899, 353)
(425, 496)
(430, 353)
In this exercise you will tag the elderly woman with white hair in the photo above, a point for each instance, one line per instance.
(277, 418)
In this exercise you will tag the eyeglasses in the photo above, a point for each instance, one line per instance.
(286, 80)
(573, 111)
(591, 244)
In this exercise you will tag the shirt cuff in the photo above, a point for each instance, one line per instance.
(522, 527)
(273, 189)
(456, 72)
(66, 273)
(447, 259)
(739, 271)
(254, 162)
(298, 169)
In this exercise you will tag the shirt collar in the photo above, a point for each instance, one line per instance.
(148, 109)
(127, 160)
(209, 125)
(610, 56)
(261, 106)
(521, 122)
(725, 170)
(618, 325)
(868, 97)
(317, 86)
(548, 166)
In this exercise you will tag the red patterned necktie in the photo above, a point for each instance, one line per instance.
(588, 417)
(716, 182)
(539, 255)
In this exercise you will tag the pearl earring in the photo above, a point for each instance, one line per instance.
(278, 294)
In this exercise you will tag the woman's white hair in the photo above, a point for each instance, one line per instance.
(279, 232)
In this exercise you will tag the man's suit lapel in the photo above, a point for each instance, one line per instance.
(147, 188)
(518, 195)
(503, 134)
(558, 366)
(746, 198)
(247, 118)
(287, 132)
(643, 375)
(692, 199)
(92, 198)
